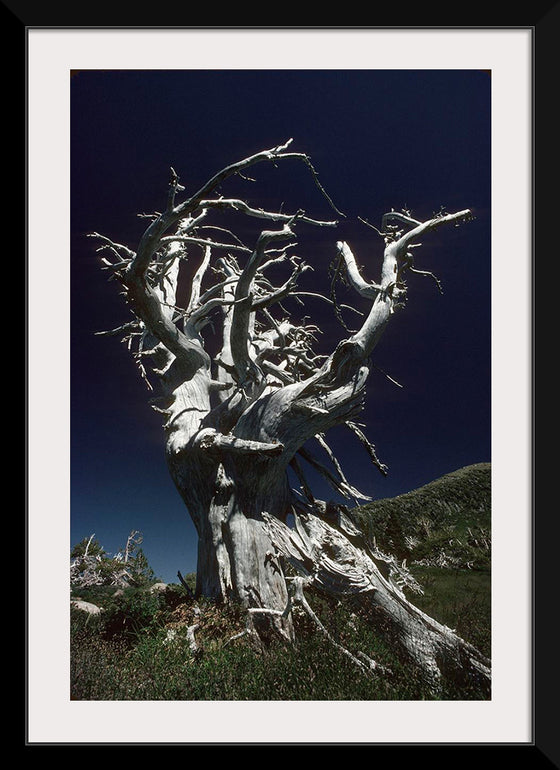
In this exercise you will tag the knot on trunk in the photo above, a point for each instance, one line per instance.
(346, 362)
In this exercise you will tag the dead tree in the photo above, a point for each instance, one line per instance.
(240, 411)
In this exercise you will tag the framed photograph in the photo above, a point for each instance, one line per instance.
(399, 127)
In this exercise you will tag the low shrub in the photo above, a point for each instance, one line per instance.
(139, 649)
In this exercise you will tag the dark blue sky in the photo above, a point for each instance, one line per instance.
(378, 139)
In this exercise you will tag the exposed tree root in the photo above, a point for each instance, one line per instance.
(337, 559)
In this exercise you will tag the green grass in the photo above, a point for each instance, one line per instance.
(461, 599)
(124, 653)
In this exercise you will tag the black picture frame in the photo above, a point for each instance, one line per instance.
(544, 749)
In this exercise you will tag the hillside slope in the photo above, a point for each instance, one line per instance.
(445, 523)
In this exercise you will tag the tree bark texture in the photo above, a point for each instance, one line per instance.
(239, 420)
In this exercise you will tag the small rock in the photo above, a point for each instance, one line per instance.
(92, 609)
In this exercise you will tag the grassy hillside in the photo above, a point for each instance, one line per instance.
(446, 523)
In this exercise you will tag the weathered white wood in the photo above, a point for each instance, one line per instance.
(360, 570)
(238, 418)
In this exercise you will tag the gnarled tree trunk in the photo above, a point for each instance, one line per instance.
(238, 420)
